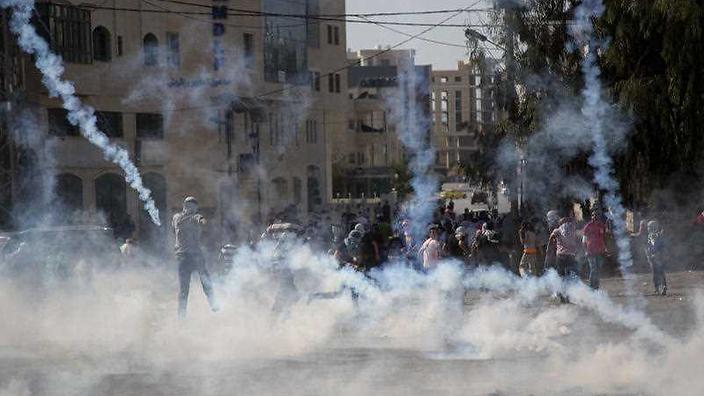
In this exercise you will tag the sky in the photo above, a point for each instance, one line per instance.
(440, 56)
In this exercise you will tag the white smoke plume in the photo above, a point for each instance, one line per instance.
(412, 126)
(79, 114)
(595, 110)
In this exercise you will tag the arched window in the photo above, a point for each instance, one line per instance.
(297, 190)
(111, 200)
(313, 185)
(280, 187)
(69, 191)
(151, 50)
(102, 51)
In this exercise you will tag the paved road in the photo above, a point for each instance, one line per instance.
(511, 348)
(504, 205)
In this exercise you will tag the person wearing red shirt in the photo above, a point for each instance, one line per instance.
(594, 241)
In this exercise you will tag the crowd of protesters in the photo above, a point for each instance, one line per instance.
(485, 238)
(370, 237)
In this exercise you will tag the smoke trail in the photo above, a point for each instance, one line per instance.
(595, 110)
(79, 114)
(412, 126)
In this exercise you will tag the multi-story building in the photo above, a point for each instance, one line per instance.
(368, 156)
(464, 105)
(236, 108)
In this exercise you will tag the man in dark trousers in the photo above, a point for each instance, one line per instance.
(188, 227)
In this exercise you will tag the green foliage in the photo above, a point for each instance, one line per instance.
(653, 67)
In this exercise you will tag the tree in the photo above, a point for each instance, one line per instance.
(654, 67)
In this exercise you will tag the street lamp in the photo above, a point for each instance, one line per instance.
(475, 36)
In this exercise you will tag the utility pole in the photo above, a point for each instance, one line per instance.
(509, 101)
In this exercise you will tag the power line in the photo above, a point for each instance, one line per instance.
(419, 38)
(348, 66)
(257, 14)
(357, 15)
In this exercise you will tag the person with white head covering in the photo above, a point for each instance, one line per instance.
(430, 251)
(188, 228)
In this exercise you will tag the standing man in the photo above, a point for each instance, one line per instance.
(594, 241)
(430, 250)
(188, 227)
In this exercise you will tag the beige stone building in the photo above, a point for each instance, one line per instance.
(235, 109)
(367, 157)
(464, 104)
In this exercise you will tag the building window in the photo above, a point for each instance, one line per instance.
(173, 56)
(275, 129)
(111, 199)
(313, 28)
(458, 79)
(59, 124)
(351, 159)
(110, 123)
(151, 50)
(67, 30)
(248, 45)
(101, 44)
(331, 83)
(312, 131)
(443, 80)
(297, 190)
(337, 83)
(329, 34)
(120, 49)
(360, 158)
(69, 191)
(280, 188)
(150, 126)
(458, 111)
(351, 125)
(315, 81)
(336, 31)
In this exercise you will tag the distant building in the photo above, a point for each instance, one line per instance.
(464, 105)
(237, 110)
(366, 158)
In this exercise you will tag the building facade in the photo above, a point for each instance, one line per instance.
(236, 108)
(369, 156)
(464, 105)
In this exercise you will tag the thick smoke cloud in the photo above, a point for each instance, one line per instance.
(79, 114)
(412, 126)
(469, 327)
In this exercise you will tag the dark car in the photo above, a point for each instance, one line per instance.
(59, 251)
